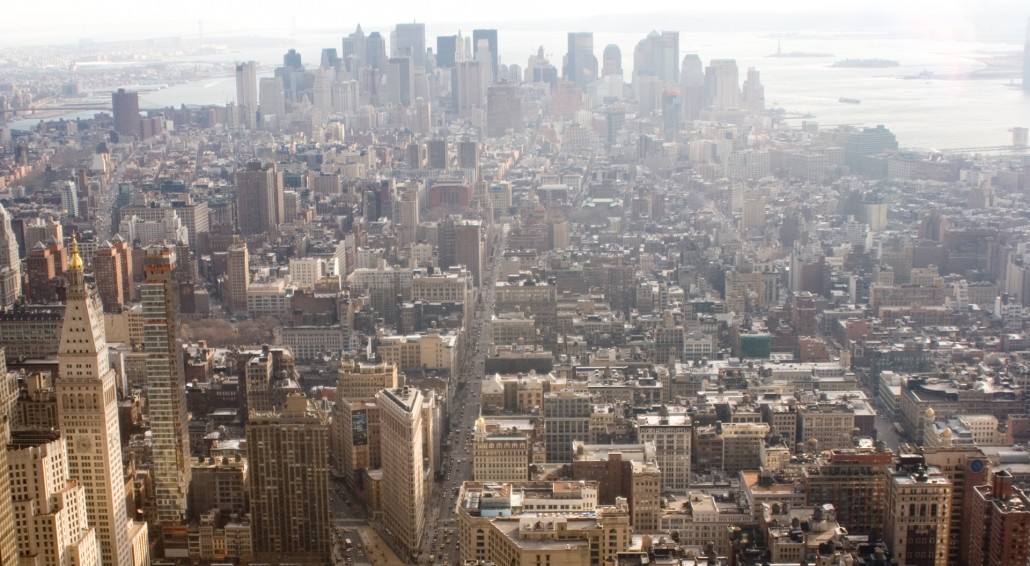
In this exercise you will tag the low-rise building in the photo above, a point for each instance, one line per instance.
(531, 523)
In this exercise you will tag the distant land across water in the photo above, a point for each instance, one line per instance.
(958, 93)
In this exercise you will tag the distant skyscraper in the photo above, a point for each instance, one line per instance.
(10, 262)
(467, 88)
(321, 95)
(753, 93)
(503, 109)
(722, 82)
(540, 70)
(272, 97)
(354, 51)
(446, 51)
(400, 80)
(375, 51)
(670, 113)
(580, 62)
(409, 40)
(404, 474)
(247, 93)
(612, 61)
(259, 198)
(90, 424)
(289, 481)
(692, 87)
(669, 66)
(126, 112)
(291, 60)
(490, 35)
(329, 58)
(165, 385)
(422, 121)
(51, 508)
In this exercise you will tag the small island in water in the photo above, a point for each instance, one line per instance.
(865, 63)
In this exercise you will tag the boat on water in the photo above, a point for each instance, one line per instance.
(850, 100)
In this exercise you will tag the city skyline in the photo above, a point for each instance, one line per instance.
(399, 298)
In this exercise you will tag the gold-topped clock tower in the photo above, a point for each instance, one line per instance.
(87, 414)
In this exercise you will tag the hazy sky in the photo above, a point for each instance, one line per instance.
(65, 21)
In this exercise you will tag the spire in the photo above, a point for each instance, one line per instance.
(76, 261)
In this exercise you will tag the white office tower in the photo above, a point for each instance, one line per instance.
(87, 414)
(247, 93)
(726, 80)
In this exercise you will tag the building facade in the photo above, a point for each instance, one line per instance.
(87, 414)
(289, 482)
(404, 474)
(165, 393)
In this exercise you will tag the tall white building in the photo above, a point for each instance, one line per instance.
(404, 475)
(165, 391)
(10, 262)
(87, 414)
(247, 93)
(725, 79)
(322, 99)
(50, 508)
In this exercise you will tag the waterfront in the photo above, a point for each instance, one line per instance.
(939, 113)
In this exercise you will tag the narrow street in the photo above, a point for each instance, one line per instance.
(441, 539)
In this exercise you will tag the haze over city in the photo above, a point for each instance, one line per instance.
(124, 19)
(525, 284)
